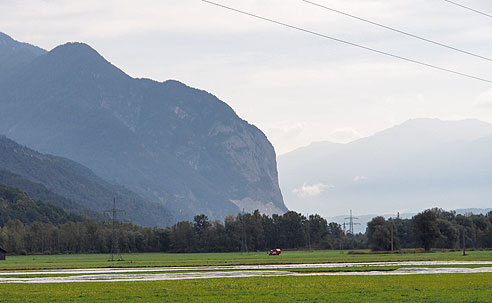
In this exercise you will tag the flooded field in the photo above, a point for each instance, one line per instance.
(242, 271)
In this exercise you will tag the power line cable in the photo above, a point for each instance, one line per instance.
(349, 43)
(397, 30)
(469, 8)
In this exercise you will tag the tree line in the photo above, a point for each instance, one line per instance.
(251, 231)
(432, 228)
(28, 226)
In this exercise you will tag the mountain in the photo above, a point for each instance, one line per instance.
(72, 186)
(14, 54)
(39, 192)
(475, 211)
(17, 205)
(168, 142)
(418, 164)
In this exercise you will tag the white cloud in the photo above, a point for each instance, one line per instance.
(306, 190)
(484, 100)
(344, 135)
(287, 128)
(285, 135)
(358, 179)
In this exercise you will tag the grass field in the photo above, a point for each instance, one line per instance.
(415, 288)
(165, 259)
(476, 287)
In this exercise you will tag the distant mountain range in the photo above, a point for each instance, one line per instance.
(419, 164)
(177, 146)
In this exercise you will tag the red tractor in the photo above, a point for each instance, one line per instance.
(275, 252)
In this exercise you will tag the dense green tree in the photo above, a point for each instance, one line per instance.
(405, 232)
(426, 229)
(318, 230)
(15, 230)
(379, 234)
(449, 234)
(183, 237)
(291, 231)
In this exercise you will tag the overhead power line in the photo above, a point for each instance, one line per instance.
(397, 30)
(349, 43)
(469, 8)
(115, 248)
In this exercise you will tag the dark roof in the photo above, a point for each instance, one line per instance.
(3, 250)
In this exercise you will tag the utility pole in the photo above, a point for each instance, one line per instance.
(351, 223)
(244, 245)
(392, 236)
(308, 234)
(115, 248)
(464, 241)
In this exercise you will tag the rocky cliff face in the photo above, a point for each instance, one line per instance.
(168, 142)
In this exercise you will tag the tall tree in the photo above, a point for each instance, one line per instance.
(379, 234)
(426, 228)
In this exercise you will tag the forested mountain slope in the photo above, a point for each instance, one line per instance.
(17, 205)
(77, 185)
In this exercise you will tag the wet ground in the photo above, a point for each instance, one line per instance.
(242, 271)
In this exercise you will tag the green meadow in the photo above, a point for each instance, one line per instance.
(411, 288)
(35, 262)
(475, 287)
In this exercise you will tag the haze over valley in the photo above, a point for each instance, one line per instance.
(245, 151)
(173, 151)
(421, 163)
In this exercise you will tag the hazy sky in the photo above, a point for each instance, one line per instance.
(296, 87)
